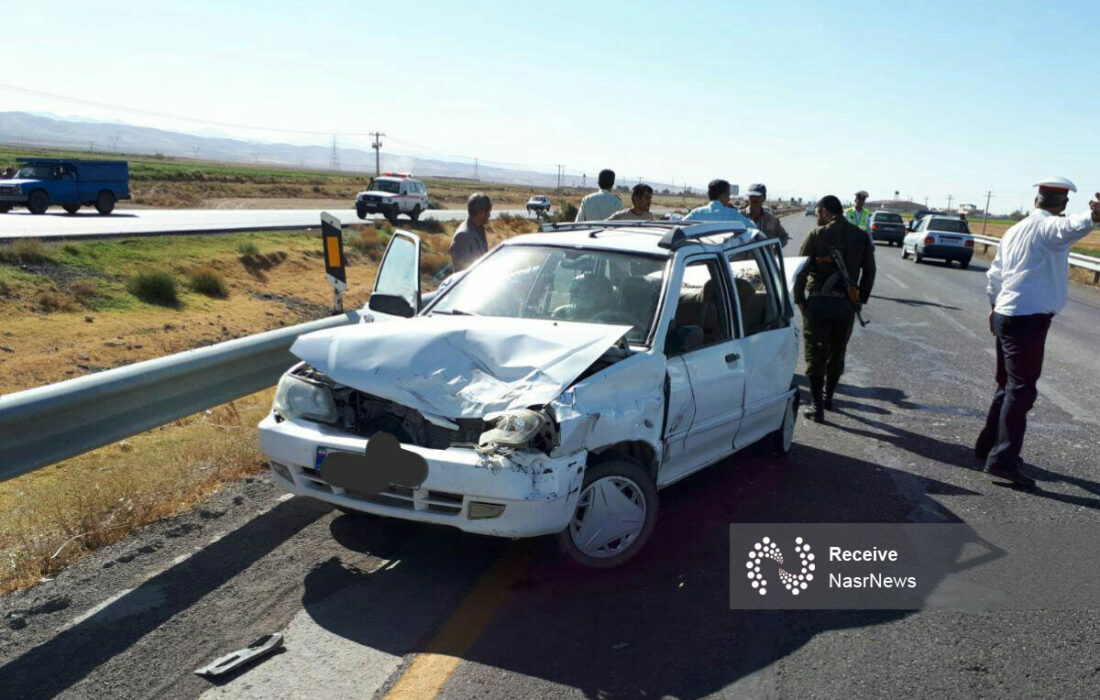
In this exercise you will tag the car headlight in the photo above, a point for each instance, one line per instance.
(514, 428)
(300, 398)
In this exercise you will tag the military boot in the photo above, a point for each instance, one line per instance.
(816, 408)
(830, 389)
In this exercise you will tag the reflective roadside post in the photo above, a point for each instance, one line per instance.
(332, 236)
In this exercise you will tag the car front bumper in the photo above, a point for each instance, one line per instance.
(945, 252)
(13, 198)
(539, 493)
(373, 206)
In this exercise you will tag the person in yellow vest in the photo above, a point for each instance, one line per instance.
(858, 215)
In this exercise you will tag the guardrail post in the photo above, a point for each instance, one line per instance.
(1096, 277)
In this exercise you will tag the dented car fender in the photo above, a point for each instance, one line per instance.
(596, 413)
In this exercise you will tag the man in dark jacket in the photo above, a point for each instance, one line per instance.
(820, 293)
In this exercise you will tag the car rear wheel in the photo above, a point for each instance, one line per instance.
(71, 208)
(917, 257)
(38, 202)
(105, 202)
(963, 264)
(904, 252)
(5, 207)
(615, 514)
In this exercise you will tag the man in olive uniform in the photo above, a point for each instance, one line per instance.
(820, 293)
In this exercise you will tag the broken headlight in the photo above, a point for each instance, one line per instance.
(300, 398)
(514, 428)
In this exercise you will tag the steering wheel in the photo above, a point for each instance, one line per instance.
(614, 316)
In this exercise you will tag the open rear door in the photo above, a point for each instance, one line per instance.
(396, 292)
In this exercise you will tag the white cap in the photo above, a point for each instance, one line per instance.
(1056, 183)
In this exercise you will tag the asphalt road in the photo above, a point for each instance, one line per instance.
(373, 607)
(56, 224)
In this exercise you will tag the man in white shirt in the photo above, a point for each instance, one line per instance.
(600, 205)
(1028, 285)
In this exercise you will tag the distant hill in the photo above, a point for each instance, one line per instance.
(24, 129)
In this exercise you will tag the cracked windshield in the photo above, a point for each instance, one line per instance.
(543, 282)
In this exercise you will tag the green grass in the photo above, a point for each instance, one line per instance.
(107, 263)
(155, 287)
(208, 283)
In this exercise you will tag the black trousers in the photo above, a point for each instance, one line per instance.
(1021, 341)
(828, 326)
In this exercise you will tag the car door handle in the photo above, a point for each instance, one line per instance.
(733, 357)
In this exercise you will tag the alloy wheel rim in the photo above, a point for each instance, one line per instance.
(610, 516)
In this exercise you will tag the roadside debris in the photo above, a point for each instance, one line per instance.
(235, 660)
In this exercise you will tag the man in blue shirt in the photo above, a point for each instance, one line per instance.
(719, 208)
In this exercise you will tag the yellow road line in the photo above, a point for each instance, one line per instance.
(431, 669)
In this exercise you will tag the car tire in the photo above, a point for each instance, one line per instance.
(5, 207)
(361, 212)
(105, 202)
(415, 213)
(38, 202)
(392, 213)
(782, 439)
(71, 208)
(623, 479)
(904, 252)
(917, 257)
(963, 264)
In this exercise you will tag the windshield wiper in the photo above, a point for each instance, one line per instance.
(454, 312)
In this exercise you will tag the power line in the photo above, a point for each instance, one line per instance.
(164, 115)
(377, 146)
(334, 161)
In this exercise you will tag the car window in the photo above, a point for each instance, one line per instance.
(701, 301)
(389, 186)
(759, 299)
(949, 226)
(891, 218)
(397, 277)
(544, 282)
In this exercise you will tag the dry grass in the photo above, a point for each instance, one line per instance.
(56, 515)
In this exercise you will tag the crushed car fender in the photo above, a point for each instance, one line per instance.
(597, 412)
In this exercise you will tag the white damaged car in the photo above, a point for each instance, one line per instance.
(550, 389)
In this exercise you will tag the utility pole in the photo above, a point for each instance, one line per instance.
(988, 196)
(377, 146)
(925, 201)
(559, 175)
(949, 198)
(334, 161)
(476, 178)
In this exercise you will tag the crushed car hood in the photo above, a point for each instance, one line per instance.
(459, 366)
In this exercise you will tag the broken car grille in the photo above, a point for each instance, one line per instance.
(395, 496)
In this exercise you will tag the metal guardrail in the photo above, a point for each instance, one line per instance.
(47, 424)
(1086, 262)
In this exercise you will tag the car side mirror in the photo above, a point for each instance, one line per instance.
(391, 304)
(684, 339)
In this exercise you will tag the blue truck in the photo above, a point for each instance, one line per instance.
(69, 182)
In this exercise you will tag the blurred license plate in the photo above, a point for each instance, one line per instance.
(321, 453)
(951, 241)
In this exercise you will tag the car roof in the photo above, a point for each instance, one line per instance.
(643, 237)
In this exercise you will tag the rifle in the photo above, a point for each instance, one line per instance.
(850, 289)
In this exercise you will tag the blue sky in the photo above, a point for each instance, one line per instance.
(929, 98)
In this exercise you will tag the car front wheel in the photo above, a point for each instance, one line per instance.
(904, 252)
(615, 514)
(38, 202)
